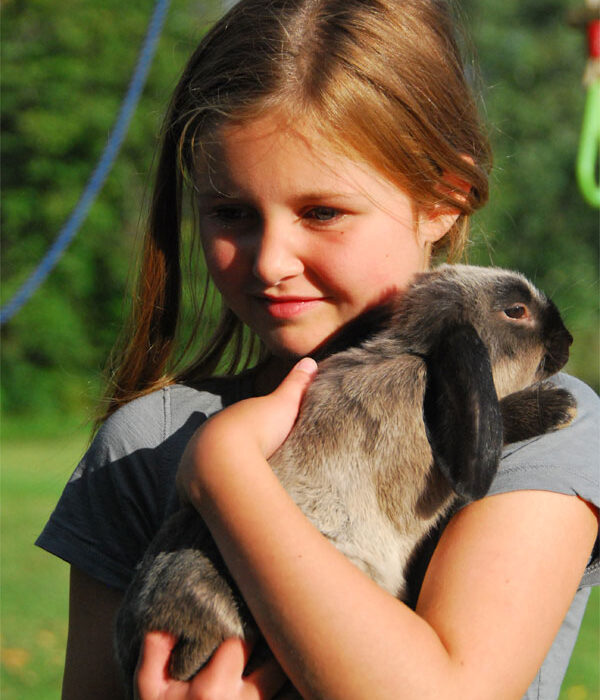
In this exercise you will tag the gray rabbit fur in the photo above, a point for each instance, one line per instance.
(391, 433)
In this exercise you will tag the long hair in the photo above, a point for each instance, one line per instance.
(381, 80)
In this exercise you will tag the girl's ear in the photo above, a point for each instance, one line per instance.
(431, 227)
(435, 223)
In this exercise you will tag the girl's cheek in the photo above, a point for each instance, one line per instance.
(221, 255)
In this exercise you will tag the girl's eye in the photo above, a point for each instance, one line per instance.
(322, 214)
(230, 215)
(517, 312)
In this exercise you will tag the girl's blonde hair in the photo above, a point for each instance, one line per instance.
(381, 80)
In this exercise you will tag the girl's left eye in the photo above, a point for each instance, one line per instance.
(322, 214)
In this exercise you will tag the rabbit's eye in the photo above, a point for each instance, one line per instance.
(517, 312)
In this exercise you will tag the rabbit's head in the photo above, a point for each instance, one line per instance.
(520, 327)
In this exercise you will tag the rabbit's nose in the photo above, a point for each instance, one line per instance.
(558, 342)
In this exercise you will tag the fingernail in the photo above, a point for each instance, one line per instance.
(307, 365)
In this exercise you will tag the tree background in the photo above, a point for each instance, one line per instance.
(65, 69)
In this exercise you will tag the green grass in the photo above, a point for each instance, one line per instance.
(34, 585)
(33, 604)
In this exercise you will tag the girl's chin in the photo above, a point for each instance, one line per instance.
(290, 350)
(295, 343)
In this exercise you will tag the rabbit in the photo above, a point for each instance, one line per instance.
(392, 432)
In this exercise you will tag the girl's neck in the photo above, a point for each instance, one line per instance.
(270, 374)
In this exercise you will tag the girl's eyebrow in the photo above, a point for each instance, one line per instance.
(310, 195)
(323, 195)
(213, 194)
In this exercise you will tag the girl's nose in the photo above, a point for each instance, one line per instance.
(275, 258)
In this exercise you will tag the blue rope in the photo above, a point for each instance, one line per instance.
(102, 170)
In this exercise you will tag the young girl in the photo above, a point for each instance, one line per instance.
(329, 146)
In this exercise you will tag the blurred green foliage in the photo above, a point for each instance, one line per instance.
(531, 64)
(66, 67)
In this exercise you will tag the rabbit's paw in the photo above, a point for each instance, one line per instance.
(186, 594)
(189, 597)
(201, 638)
(536, 410)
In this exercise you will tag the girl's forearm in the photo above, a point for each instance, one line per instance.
(335, 632)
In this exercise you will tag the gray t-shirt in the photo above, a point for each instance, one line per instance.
(123, 488)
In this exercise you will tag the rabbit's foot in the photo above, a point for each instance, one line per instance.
(536, 410)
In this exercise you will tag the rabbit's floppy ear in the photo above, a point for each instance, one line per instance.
(461, 410)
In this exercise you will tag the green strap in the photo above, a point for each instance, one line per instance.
(589, 147)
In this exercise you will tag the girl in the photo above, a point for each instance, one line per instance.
(329, 147)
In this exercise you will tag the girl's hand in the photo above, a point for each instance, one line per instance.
(255, 426)
(223, 676)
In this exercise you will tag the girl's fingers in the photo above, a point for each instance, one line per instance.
(223, 676)
(268, 678)
(263, 682)
(230, 658)
(152, 675)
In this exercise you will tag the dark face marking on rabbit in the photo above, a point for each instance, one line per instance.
(557, 341)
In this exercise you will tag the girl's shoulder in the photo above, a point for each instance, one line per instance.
(149, 420)
(563, 461)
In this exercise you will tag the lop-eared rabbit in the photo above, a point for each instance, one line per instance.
(396, 427)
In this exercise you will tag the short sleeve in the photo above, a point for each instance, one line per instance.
(123, 488)
(564, 461)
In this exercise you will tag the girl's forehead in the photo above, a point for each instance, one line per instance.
(271, 138)
(272, 152)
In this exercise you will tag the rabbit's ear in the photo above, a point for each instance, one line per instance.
(461, 411)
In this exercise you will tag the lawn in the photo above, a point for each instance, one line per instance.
(34, 585)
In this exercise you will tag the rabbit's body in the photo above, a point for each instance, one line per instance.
(360, 504)
(390, 434)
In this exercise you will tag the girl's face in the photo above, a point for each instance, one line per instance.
(299, 239)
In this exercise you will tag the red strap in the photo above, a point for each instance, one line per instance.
(593, 34)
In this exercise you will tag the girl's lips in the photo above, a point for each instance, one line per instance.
(283, 308)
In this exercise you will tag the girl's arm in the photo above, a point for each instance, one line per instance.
(91, 672)
(497, 589)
